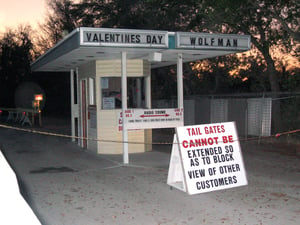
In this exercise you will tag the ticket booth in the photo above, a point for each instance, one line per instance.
(100, 104)
(110, 76)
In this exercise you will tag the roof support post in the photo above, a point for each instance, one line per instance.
(148, 90)
(179, 82)
(72, 104)
(124, 106)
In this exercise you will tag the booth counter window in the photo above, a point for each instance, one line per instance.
(111, 92)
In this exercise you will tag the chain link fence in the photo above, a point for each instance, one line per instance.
(255, 114)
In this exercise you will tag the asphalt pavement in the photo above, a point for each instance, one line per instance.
(65, 184)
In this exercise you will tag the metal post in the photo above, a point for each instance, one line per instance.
(139, 93)
(179, 82)
(77, 103)
(148, 91)
(72, 104)
(124, 106)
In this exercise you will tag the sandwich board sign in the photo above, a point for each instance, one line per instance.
(206, 158)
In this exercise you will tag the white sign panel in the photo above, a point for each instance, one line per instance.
(152, 118)
(124, 38)
(108, 102)
(210, 156)
(212, 41)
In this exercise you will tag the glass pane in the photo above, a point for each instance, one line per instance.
(111, 92)
(135, 92)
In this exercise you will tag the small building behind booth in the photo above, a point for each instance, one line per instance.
(110, 77)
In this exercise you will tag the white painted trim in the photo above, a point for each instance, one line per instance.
(124, 105)
(72, 104)
(148, 90)
(179, 81)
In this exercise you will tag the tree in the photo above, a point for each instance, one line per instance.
(16, 54)
(270, 23)
(91, 13)
(150, 14)
(218, 75)
(64, 15)
(256, 18)
(60, 21)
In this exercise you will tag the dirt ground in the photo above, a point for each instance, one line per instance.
(66, 185)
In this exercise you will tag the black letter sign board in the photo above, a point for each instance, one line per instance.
(206, 158)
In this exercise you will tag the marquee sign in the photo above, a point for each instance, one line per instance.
(124, 38)
(212, 41)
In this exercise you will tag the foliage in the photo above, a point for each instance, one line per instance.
(290, 110)
(269, 23)
(290, 81)
(59, 22)
(273, 26)
(16, 54)
(216, 75)
(161, 77)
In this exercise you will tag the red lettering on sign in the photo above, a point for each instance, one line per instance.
(227, 139)
(199, 142)
(214, 129)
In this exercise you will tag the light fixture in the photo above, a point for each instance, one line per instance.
(155, 57)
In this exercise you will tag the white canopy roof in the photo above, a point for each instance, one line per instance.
(160, 47)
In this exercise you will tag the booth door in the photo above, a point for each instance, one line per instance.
(84, 113)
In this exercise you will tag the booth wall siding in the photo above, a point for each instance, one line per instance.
(111, 138)
(109, 68)
(108, 120)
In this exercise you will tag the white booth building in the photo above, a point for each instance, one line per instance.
(110, 74)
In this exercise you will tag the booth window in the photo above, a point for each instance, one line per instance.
(136, 92)
(111, 92)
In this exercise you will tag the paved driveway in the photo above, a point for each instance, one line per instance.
(66, 185)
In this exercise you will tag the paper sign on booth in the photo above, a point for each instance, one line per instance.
(209, 157)
(152, 118)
